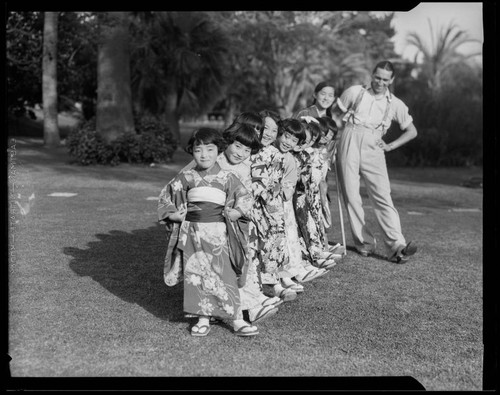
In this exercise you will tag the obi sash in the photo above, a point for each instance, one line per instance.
(208, 212)
(211, 203)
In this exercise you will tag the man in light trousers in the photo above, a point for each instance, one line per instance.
(367, 113)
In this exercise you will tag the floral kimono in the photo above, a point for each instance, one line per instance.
(307, 202)
(204, 250)
(250, 292)
(295, 264)
(325, 158)
(267, 228)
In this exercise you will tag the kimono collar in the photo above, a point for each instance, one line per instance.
(213, 171)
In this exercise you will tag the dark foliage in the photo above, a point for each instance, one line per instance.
(153, 143)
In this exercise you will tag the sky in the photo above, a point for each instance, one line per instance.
(467, 16)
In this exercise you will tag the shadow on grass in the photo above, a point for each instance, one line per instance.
(130, 266)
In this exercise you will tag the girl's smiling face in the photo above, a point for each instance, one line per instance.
(286, 142)
(325, 97)
(237, 152)
(270, 132)
(324, 140)
(205, 155)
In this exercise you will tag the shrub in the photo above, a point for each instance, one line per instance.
(153, 143)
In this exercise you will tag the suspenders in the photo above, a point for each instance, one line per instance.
(355, 107)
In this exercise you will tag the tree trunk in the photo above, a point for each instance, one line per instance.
(229, 114)
(296, 88)
(49, 80)
(114, 115)
(170, 114)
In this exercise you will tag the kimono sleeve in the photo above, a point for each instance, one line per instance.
(266, 173)
(304, 169)
(238, 196)
(172, 197)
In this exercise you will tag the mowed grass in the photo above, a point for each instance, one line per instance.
(87, 298)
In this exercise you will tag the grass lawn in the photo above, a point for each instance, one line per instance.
(87, 298)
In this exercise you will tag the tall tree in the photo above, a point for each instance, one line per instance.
(50, 124)
(114, 115)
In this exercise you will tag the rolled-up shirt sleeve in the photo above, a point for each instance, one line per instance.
(401, 114)
(347, 98)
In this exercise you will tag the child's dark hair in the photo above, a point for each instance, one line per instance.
(204, 136)
(325, 124)
(271, 114)
(250, 118)
(318, 88)
(314, 129)
(294, 127)
(244, 134)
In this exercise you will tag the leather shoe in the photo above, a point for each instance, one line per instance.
(403, 254)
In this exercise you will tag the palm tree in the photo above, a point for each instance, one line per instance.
(179, 63)
(442, 53)
(114, 100)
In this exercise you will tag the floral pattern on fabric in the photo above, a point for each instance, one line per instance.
(267, 229)
(210, 283)
(307, 201)
(295, 265)
(251, 292)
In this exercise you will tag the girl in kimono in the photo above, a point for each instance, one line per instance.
(323, 105)
(268, 248)
(290, 134)
(324, 149)
(242, 140)
(206, 201)
(306, 202)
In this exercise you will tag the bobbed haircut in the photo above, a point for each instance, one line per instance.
(325, 124)
(205, 136)
(244, 134)
(314, 129)
(385, 65)
(294, 127)
(271, 114)
(250, 118)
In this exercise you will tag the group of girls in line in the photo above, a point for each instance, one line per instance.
(247, 219)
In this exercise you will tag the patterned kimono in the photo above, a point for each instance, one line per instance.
(203, 250)
(295, 264)
(250, 293)
(268, 248)
(307, 203)
(319, 169)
